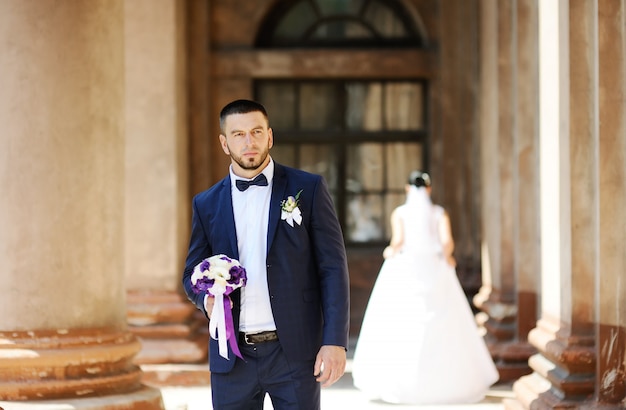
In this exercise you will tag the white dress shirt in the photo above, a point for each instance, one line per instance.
(251, 210)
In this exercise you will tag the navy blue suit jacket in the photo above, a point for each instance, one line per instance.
(306, 264)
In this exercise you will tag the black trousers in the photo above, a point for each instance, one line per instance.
(290, 386)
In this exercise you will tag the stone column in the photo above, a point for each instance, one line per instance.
(564, 334)
(202, 121)
(157, 194)
(610, 383)
(497, 295)
(63, 332)
(526, 240)
(452, 160)
(489, 134)
(580, 336)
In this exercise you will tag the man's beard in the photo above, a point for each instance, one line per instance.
(247, 164)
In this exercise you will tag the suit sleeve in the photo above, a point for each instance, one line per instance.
(332, 266)
(198, 249)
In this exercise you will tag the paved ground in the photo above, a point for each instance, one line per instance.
(186, 387)
(341, 396)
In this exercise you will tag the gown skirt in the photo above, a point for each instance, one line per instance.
(419, 342)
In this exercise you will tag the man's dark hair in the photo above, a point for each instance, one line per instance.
(241, 107)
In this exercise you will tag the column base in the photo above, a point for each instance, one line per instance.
(168, 326)
(67, 363)
(511, 360)
(146, 398)
(498, 319)
(163, 351)
(527, 391)
(563, 371)
(176, 375)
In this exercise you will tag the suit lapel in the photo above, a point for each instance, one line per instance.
(279, 185)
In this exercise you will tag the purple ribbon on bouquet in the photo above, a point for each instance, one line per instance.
(221, 323)
(230, 328)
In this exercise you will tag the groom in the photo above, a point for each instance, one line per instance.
(292, 315)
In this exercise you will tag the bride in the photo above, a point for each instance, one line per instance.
(419, 343)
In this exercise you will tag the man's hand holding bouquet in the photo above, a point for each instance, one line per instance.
(219, 276)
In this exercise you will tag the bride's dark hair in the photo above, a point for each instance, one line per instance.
(419, 179)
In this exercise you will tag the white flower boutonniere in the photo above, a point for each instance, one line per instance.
(290, 211)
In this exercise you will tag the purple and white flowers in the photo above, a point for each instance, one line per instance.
(219, 276)
(217, 273)
(290, 211)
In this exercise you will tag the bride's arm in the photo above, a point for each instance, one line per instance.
(397, 235)
(447, 242)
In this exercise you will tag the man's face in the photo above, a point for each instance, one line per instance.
(247, 139)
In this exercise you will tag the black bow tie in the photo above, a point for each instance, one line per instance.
(242, 185)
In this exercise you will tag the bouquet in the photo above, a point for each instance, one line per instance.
(220, 275)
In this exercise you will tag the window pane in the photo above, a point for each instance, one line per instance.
(280, 101)
(401, 159)
(340, 6)
(296, 22)
(341, 30)
(385, 20)
(364, 110)
(404, 107)
(320, 159)
(284, 154)
(391, 202)
(364, 168)
(319, 107)
(364, 218)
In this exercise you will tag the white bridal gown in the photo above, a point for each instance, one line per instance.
(419, 342)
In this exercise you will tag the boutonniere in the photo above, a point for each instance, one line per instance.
(290, 211)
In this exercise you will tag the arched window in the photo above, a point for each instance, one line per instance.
(338, 23)
(362, 135)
